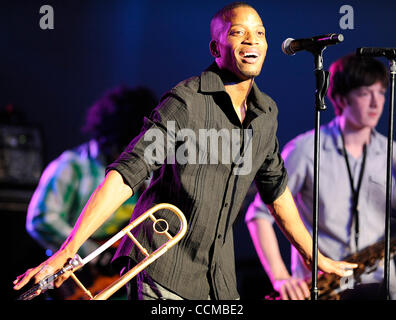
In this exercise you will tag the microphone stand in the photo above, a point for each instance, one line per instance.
(322, 84)
(392, 69)
(390, 54)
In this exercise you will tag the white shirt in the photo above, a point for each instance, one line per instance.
(336, 234)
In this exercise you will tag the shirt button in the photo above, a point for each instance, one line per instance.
(219, 236)
(226, 205)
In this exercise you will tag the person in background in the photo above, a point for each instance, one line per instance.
(68, 181)
(352, 183)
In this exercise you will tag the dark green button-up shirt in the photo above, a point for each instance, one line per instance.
(202, 179)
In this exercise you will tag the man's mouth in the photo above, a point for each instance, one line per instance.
(250, 57)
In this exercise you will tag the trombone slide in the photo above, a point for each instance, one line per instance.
(77, 263)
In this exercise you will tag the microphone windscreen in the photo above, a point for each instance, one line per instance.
(286, 48)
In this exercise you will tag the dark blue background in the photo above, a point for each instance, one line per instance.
(53, 76)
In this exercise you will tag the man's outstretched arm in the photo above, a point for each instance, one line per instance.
(287, 217)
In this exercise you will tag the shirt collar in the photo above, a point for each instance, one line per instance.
(375, 145)
(333, 138)
(211, 82)
(210, 79)
(93, 148)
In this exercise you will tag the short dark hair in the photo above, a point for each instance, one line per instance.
(117, 117)
(223, 12)
(351, 72)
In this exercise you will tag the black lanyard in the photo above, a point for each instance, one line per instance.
(355, 192)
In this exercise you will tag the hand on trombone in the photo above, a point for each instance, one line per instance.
(104, 201)
(49, 267)
(110, 194)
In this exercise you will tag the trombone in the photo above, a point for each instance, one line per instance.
(76, 263)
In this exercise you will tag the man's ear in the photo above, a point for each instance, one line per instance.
(214, 50)
(341, 101)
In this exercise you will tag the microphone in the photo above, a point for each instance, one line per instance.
(291, 46)
(389, 53)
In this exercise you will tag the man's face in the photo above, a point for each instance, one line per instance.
(363, 106)
(240, 43)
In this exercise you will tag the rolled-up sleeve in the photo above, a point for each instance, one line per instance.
(296, 161)
(147, 152)
(271, 179)
(257, 210)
